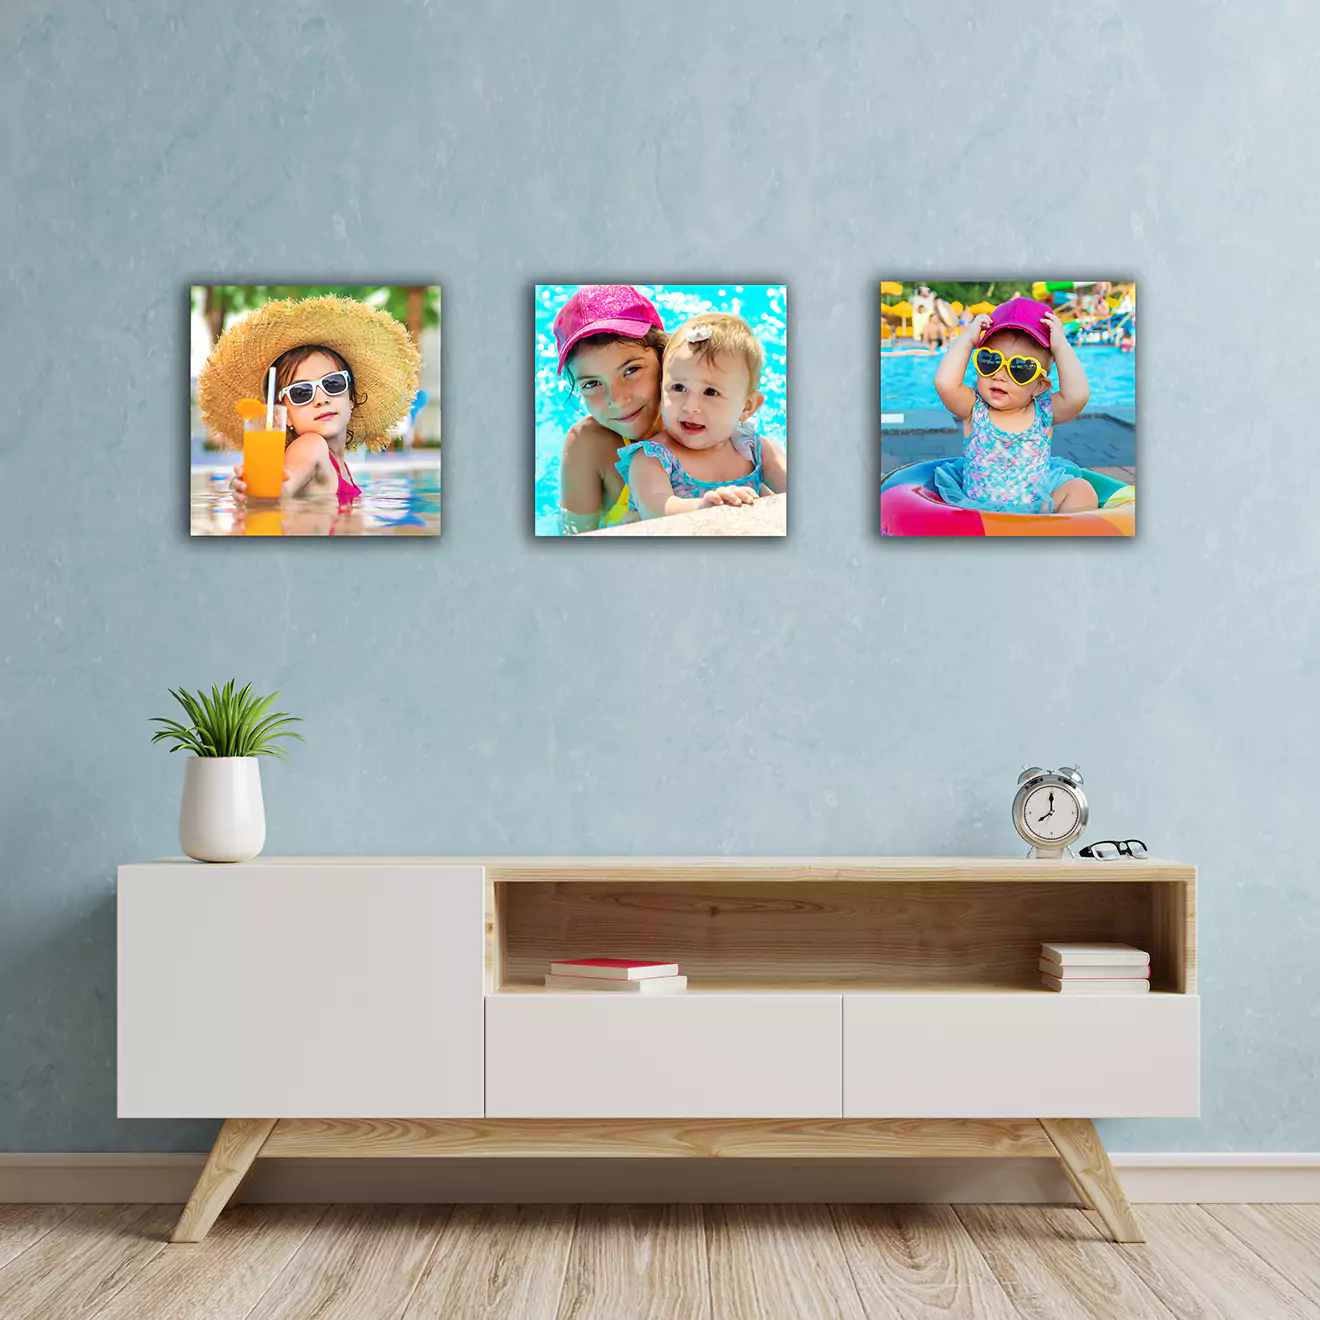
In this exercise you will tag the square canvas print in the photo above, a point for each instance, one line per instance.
(1008, 408)
(661, 410)
(315, 410)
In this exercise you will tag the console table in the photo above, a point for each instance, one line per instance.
(859, 1006)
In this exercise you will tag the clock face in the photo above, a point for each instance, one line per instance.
(1051, 813)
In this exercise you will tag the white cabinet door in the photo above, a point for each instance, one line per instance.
(1022, 1055)
(597, 1054)
(300, 989)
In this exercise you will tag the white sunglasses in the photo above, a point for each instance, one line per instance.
(304, 391)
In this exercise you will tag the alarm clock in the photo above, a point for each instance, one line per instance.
(1050, 810)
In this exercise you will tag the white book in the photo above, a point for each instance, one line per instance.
(1096, 971)
(1133, 986)
(1082, 955)
(653, 985)
(622, 969)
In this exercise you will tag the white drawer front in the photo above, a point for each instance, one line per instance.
(615, 1055)
(302, 991)
(1021, 1056)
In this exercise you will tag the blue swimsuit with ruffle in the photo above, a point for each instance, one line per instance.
(1002, 471)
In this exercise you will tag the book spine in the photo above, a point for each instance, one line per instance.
(1096, 972)
(1100, 957)
(1114, 986)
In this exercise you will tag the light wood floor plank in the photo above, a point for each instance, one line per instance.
(778, 1260)
(360, 1262)
(1201, 1270)
(917, 1262)
(1285, 1236)
(76, 1268)
(497, 1262)
(646, 1262)
(222, 1277)
(1056, 1263)
(654, 1262)
(22, 1225)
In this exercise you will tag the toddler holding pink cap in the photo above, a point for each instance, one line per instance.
(706, 454)
(609, 340)
(1008, 420)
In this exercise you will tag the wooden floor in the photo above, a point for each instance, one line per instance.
(661, 1262)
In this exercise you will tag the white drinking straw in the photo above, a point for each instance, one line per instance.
(270, 400)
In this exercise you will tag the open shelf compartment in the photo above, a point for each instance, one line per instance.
(748, 933)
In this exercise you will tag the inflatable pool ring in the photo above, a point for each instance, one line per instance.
(909, 506)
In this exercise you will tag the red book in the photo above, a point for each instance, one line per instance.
(614, 969)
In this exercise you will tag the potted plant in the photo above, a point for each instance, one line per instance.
(222, 818)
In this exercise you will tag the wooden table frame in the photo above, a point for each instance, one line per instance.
(1072, 1141)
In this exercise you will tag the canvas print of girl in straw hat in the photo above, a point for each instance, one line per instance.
(289, 381)
(661, 410)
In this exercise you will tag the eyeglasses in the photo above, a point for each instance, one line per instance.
(1106, 850)
(304, 391)
(1022, 370)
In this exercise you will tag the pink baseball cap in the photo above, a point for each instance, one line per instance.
(597, 309)
(1025, 314)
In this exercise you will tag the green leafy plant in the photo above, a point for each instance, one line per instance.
(227, 723)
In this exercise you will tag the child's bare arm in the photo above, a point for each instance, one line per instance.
(1073, 392)
(302, 456)
(654, 492)
(774, 468)
(954, 395)
(581, 491)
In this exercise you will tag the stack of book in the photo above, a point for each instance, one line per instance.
(630, 975)
(1095, 969)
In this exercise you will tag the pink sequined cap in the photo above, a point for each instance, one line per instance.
(603, 309)
(1018, 313)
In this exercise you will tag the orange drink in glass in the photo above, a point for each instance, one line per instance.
(263, 455)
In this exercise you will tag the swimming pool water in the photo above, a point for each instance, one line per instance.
(763, 307)
(395, 501)
(909, 382)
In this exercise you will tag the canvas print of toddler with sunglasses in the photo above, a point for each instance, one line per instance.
(288, 379)
(982, 404)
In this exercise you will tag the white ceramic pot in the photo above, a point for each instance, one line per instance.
(222, 818)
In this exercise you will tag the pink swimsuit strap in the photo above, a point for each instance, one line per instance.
(347, 489)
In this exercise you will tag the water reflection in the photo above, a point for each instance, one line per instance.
(398, 501)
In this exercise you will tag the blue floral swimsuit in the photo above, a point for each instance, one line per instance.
(746, 441)
(1006, 472)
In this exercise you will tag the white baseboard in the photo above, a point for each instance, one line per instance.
(1147, 1178)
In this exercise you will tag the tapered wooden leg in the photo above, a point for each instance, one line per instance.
(1086, 1162)
(238, 1144)
(1078, 1190)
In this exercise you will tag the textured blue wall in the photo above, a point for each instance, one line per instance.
(827, 694)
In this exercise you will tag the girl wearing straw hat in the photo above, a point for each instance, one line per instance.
(346, 373)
